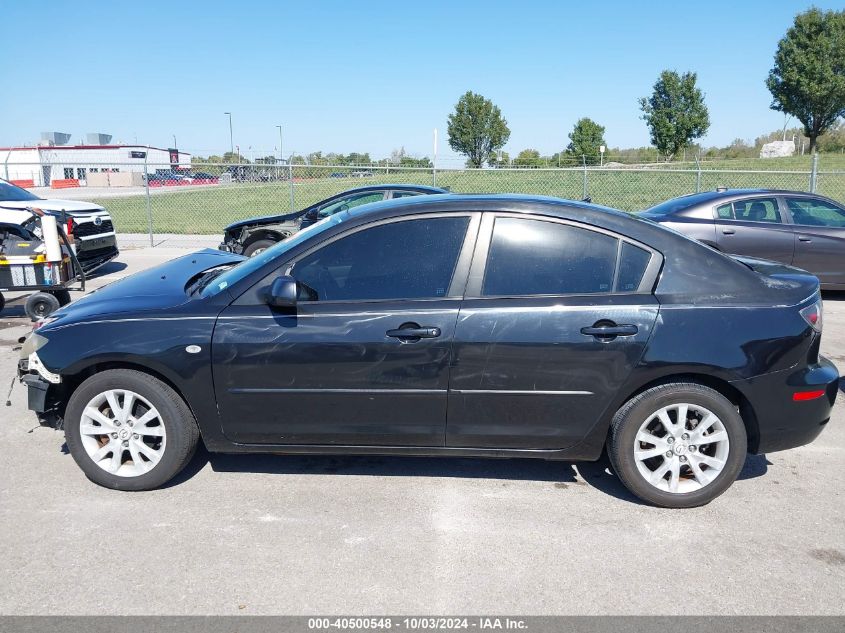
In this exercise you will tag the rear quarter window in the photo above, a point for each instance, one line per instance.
(632, 266)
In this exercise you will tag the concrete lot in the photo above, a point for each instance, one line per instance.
(317, 535)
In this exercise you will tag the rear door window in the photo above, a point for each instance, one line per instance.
(535, 257)
(757, 210)
(812, 212)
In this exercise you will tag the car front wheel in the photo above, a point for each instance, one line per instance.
(678, 445)
(258, 246)
(127, 430)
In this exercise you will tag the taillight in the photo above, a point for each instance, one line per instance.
(803, 396)
(813, 315)
(70, 226)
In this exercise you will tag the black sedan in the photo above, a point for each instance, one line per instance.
(488, 326)
(801, 229)
(252, 236)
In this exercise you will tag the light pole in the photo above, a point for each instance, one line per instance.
(231, 143)
(174, 142)
(281, 155)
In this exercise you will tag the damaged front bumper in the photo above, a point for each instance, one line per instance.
(38, 380)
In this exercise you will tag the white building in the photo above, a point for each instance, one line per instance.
(44, 164)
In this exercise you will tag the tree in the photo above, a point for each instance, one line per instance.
(477, 128)
(834, 139)
(808, 78)
(234, 157)
(397, 155)
(499, 159)
(675, 112)
(528, 158)
(586, 138)
(412, 161)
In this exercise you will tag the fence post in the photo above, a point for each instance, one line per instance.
(697, 175)
(586, 188)
(814, 174)
(290, 183)
(148, 201)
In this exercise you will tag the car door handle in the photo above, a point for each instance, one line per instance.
(414, 332)
(804, 238)
(728, 231)
(609, 331)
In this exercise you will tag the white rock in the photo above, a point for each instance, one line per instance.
(777, 149)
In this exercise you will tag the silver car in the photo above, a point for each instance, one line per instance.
(801, 229)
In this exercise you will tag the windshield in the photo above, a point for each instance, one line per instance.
(10, 192)
(249, 266)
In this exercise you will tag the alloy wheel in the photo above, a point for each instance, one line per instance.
(123, 433)
(681, 448)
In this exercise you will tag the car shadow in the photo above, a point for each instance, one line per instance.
(14, 310)
(107, 269)
(833, 295)
(560, 474)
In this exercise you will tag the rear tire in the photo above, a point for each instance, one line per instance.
(148, 432)
(40, 305)
(677, 445)
(258, 246)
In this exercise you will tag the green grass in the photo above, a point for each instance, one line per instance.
(206, 210)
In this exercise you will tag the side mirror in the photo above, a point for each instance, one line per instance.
(313, 214)
(282, 293)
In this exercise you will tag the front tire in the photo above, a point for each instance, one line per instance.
(677, 445)
(127, 430)
(258, 246)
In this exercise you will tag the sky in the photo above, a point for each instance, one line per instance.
(375, 76)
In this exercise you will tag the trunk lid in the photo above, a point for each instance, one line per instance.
(793, 285)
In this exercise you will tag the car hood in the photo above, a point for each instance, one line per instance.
(155, 289)
(70, 206)
(265, 220)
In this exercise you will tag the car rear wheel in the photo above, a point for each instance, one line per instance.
(258, 246)
(127, 430)
(678, 445)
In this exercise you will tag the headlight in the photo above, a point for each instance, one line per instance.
(43, 321)
(32, 344)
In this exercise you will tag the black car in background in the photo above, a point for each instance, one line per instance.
(487, 326)
(801, 229)
(252, 236)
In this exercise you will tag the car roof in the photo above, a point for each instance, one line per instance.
(682, 203)
(397, 186)
(542, 205)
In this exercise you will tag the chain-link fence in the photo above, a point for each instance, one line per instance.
(202, 198)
